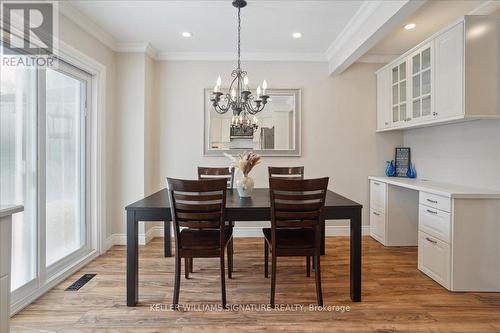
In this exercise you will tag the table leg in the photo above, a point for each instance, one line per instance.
(132, 259)
(322, 239)
(167, 247)
(356, 255)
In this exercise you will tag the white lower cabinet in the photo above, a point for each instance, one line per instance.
(377, 225)
(455, 228)
(434, 258)
(434, 222)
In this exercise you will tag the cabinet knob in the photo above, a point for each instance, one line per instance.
(386, 123)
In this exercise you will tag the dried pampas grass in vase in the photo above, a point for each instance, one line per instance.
(245, 163)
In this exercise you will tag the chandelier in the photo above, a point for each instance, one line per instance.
(239, 99)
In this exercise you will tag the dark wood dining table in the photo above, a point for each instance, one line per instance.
(156, 207)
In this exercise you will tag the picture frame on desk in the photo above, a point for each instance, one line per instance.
(402, 161)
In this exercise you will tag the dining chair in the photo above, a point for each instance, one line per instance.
(199, 206)
(217, 173)
(297, 207)
(290, 173)
(286, 172)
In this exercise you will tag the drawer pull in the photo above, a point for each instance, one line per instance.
(430, 240)
(375, 213)
(376, 183)
(432, 201)
(431, 211)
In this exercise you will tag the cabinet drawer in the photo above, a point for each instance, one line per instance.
(435, 222)
(378, 195)
(434, 258)
(435, 201)
(5, 245)
(377, 225)
(4, 303)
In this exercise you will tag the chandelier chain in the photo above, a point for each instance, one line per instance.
(239, 42)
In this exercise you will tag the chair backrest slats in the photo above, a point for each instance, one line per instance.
(286, 172)
(297, 203)
(197, 203)
(217, 173)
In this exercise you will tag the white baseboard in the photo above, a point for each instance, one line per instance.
(157, 231)
(121, 239)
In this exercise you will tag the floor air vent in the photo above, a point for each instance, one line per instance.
(80, 282)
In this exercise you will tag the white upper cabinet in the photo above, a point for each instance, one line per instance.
(438, 80)
(422, 84)
(384, 98)
(399, 93)
(449, 48)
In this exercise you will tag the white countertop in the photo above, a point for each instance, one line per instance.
(444, 189)
(9, 210)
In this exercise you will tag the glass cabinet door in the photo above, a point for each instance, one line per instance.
(421, 84)
(399, 94)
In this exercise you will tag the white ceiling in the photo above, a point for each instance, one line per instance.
(267, 25)
(430, 18)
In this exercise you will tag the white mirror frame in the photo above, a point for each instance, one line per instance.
(297, 93)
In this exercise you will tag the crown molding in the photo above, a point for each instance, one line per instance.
(248, 56)
(146, 48)
(373, 21)
(87, 24)
(377, 58)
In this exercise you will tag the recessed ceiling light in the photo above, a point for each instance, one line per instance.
(297, 35)
(410, 26)
(186, 34)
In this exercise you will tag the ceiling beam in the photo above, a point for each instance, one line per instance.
(371, 23)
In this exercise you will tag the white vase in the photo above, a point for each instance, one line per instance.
(244, 186)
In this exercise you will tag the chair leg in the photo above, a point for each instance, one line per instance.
(308, 266)
(186, 268)
(273, 277)
(266, 259)
(223, 278)
(177, 280)
(230, 259)
(319, 292)
(191, 270)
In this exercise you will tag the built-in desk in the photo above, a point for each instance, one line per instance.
(456, 229)
(6, 213)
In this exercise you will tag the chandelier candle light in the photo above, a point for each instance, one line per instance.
(239, 98)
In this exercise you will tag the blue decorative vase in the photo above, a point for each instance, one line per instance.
(390, 170)
(412, 172)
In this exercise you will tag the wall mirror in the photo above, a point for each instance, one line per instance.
(276, 131)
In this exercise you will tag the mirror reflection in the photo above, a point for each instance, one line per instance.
(273, 131)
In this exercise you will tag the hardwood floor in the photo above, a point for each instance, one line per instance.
(396, 296)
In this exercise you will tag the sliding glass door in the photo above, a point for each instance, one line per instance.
(65, 210)
(44, 165)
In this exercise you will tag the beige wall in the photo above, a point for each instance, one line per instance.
(338, 121)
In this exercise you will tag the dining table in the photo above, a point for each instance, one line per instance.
(257, 208)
